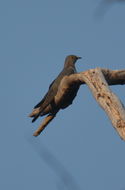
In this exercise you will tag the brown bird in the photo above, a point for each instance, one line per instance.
(47, 104)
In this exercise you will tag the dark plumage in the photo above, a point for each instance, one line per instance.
(47, 104)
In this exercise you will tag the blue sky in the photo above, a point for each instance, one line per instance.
(80, 144)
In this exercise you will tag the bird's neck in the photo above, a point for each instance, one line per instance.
(69, 64)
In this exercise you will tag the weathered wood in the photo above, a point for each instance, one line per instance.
(115, 77)
(97, 80)
(42, 126)
(106, 98)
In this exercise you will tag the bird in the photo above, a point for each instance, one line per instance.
(47, 105)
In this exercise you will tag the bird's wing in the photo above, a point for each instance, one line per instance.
(53, 88)
(41, 102)
(54, 85)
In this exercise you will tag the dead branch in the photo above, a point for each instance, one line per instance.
(97, 80)
(114, 77)
(42, 126)
(115, 110)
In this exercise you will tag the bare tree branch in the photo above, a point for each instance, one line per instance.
(115, 110)
(42, 126)
(98, 80)
(114, 77)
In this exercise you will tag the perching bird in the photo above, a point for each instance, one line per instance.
(47, 104)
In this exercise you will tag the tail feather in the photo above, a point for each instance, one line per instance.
(41, 109)
(43, 105)
(35, 118)
(34, 112)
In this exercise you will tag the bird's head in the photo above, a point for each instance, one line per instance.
(71, 59)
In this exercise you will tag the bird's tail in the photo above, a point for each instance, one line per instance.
(35, 114)
(41, 109)
(35, 117)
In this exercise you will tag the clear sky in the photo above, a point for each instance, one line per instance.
(79, 149)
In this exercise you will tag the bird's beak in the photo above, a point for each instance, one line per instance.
(79, 57)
